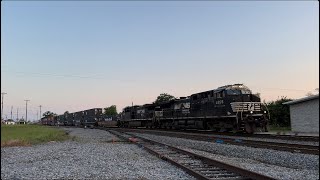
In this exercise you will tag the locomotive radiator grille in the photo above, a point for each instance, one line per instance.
(245, 106)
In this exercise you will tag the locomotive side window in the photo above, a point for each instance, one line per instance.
(194, 97)
(220, 94)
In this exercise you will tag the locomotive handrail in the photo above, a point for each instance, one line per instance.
(242, 109)
(238, 111)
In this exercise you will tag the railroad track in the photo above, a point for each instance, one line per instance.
(268, 136)
(295, 148)
(207, 132)
(196, 165)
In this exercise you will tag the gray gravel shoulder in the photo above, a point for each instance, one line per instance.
(85, 159)
(278, 164)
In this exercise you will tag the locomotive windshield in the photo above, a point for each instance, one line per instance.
(237, 89)
(245, 91)
(233, 92)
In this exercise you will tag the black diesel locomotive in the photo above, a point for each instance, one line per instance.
(227, 108)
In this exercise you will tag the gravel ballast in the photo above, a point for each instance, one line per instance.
(278, 164)
(95, 154)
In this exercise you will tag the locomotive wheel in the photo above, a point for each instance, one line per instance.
(211, 127)
(250, 128)
(254, 128)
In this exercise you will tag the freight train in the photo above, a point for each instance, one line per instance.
(86, 118)
(227, 108)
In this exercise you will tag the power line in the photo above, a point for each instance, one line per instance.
(282, 89)
(95, 77)
(59, 75)
(67, 76)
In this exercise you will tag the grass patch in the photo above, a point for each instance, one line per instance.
(26, 135)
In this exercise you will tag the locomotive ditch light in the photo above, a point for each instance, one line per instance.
(264, 111)
(251, 112)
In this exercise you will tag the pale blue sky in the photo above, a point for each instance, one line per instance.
(78, 55)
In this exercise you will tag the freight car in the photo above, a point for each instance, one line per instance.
(69, 119)
(86, 118)
(227, 108)
(91, 117)
(60, 120)
(50, 121)
(78, 118)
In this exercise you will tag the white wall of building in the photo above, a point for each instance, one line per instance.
(305, 116)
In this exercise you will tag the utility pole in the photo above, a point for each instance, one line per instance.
(2, 94)
(40, 111)
(11, 112)
(17, 114)
(26, 109)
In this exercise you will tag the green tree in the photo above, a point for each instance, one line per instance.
(110, 111)
(48, 114)
(164, 97)
(279, 112)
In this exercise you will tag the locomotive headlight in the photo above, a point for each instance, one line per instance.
(264, 111)
(251, 112)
